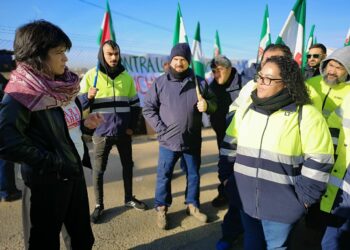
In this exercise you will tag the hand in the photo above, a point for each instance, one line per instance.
(225, 182)
(202, 104)
(92, 93)
(129, 131)
(93, 120)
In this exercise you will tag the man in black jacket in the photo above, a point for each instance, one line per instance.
(226, 86)
(316, 54)
(8, 190)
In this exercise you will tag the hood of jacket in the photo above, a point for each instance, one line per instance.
(105, 68)
(341, 55)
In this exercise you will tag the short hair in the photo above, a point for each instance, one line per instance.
(281, 47)
(319, 46)
(112, 43)
(292, 77)
(34, 40)
(220, 60)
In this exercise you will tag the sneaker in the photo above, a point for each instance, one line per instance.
(194, 211)
(13, 196)
(135, 203)
(219, 201)
(97, 214)
(227, 243)
(162, 221)
(223, 245)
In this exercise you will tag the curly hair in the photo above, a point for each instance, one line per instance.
(292, 78)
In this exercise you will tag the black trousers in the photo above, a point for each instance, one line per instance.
(7, 178)
(55, 204)
(102, 148)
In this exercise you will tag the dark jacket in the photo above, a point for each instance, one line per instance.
(170, 107)
(310, 72)
(249, 73)
(225, 95)
(39, 140)
(3, 82)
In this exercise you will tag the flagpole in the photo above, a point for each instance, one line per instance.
(96, 76)
(199, 96)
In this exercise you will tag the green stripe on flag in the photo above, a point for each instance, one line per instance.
(180, 35)
(107, 30)
(198, 53)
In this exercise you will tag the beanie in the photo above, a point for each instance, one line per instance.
(181, 49)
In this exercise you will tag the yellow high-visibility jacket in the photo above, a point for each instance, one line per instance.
(336, 199)
(280, 162)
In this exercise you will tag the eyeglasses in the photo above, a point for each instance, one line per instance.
(313, 55)
(265, 80)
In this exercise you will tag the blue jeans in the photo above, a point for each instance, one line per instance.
(264, 234)
(166, 163)
(7, 178)
(337, 237)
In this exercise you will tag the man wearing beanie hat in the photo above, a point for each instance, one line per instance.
(174, 110)
(183, 50)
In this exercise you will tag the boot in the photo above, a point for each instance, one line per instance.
(220, 200)
(162, 221)
(194, 211)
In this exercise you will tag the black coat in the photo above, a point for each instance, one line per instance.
(310, 72)
(40, 141)
(225, 95)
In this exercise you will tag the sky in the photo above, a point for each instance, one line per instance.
(147, 26)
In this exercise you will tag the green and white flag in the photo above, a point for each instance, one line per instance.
(107, 31)
(347, 39)
(265, 36)
(197, 54)
(310, 42)
(217, 46)
(180, 32)
(292, 33)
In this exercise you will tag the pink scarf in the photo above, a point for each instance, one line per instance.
(37, 91)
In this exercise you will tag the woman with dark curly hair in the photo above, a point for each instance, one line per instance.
(280, 150)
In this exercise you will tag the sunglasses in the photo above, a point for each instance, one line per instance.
(313, 55)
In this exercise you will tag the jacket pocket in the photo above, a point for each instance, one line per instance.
(171, 131)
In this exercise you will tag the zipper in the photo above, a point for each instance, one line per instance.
(325, 99)
(257, 171)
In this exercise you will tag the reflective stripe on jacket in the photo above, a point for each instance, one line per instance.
(281, 163)
(116, 99)
(331, 97)
(336, 199)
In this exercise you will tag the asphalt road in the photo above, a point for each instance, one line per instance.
(125, 228)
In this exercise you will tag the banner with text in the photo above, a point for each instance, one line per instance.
(146, 68)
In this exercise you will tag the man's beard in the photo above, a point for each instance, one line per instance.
(334, 81)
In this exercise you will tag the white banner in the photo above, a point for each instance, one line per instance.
(146, 68)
